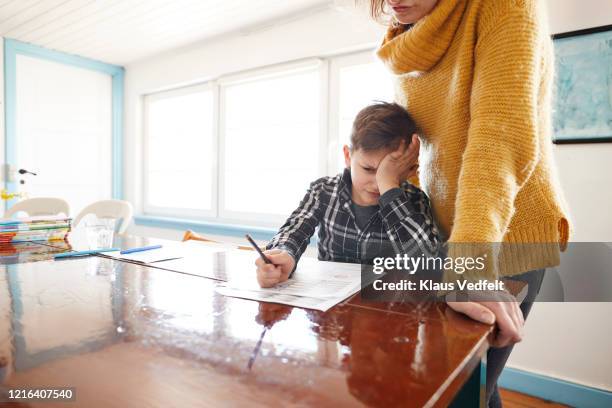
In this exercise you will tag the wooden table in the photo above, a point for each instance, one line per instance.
(124, 335)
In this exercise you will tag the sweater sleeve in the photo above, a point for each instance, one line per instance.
(502, 142)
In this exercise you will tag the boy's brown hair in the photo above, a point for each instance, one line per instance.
(382, 125)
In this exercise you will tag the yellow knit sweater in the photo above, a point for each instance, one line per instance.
(477, 77)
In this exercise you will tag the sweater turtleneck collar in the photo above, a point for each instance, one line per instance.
(420, 46)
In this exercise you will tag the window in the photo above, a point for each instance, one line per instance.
(359, 80)
(269, 143)
(180, 157)
(273, 131)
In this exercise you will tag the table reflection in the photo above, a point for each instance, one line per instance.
(23, 252)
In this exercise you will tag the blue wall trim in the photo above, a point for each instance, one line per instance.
(554, 389)
(12, 48)
(117, 152)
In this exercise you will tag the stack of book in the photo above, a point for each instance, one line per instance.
(41, 228)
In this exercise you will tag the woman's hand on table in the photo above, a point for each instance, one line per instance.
(500, 307)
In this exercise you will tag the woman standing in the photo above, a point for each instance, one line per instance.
(477, 77)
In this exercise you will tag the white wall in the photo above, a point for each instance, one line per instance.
(568, 341)
(585, 170)
(571, 341)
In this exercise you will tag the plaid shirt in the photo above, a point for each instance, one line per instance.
(404, 225)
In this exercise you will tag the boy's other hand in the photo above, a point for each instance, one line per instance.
(398, 165)
(278, 271)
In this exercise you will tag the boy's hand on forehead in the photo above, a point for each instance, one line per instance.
(398, 165)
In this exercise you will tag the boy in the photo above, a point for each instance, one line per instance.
(368, 205)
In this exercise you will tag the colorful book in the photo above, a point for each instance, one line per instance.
(39, 228)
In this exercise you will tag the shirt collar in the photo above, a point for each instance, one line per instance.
(345, 187)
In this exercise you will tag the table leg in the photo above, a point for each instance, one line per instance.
(472, 394)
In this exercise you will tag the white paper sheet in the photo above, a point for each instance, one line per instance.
(311, 278)
(315, 285)
(171, 251)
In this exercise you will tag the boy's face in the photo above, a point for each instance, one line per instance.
(363, 166)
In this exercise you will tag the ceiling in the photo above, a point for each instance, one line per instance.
(123, 31)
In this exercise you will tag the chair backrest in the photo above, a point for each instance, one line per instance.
(39, 206)
(117, 209)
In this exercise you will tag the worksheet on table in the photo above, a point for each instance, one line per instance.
(313, 278)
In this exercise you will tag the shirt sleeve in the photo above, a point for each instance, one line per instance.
(407, 218)
(296, 232)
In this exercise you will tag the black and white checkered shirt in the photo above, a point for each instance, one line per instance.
(403, 224)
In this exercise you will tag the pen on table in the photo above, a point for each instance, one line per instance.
(140, 249)
(262, 255)
(82, 253)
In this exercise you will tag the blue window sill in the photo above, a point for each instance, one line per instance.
(205, 227)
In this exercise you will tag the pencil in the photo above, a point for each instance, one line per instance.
(252, 242)
(265, 258)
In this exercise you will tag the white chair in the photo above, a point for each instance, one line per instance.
(39, 206)
(117, 209)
